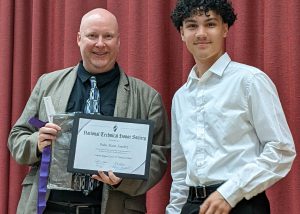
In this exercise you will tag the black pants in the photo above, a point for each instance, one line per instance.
(68, 208)
(257, 205)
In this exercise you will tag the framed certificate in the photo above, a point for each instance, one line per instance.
(105, 143)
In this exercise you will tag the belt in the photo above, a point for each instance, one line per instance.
(202, 192)
(73, 208)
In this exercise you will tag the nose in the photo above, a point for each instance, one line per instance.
(100, 42)
(200, 32)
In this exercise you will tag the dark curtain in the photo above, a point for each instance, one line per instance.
(40, 36)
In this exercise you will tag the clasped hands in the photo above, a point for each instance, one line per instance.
(48, 134)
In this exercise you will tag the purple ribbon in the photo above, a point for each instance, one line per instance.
(44, 169)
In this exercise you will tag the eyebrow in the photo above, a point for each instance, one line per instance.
(211, 19)
(190, 20)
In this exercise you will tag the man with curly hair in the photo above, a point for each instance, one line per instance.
(230, 138)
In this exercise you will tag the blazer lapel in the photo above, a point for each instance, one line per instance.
(121, 107)
(65, 92)
(61, 100)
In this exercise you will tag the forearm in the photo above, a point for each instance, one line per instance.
(23, 138)
(179, 189)
(272, 165)
(23, 145)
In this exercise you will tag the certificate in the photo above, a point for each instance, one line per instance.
(105, 143)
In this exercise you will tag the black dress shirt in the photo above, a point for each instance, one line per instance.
(107, 84)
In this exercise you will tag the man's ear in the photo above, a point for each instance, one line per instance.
(182, 33)
(78, 38)
(225, 26)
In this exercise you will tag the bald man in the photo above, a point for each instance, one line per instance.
(121, 96)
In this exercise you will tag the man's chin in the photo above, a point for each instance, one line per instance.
(103, 67)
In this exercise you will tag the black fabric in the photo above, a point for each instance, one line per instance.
(55, 208)
(257, 205)
(76, 196)
(107, 84)
(202, 191)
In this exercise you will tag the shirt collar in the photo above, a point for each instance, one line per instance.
(217, 68)
(83, 74)
(102, 78)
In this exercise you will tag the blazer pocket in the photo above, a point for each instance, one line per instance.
(26, 192)
(132, 204)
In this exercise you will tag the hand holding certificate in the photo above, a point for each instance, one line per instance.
(114, 144)
(110, 178)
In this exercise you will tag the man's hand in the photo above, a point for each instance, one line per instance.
(47, 134)
(215, 204)
(111, 179)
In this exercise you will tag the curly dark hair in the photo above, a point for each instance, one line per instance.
(187, 8)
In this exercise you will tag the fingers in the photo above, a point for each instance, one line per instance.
(50, 128)
(215, 204)
(114, 178)
(110, 179)
(47, 134)
(203, 208)
(43, 144)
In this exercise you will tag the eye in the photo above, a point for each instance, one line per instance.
(191, 26)
(91, 36)
(108, 36)
(211, 24)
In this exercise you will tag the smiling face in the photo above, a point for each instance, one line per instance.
(204, 36)
(98, 41)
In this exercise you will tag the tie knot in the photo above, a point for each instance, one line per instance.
(93, 81)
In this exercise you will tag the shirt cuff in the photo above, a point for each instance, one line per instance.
(231, 193)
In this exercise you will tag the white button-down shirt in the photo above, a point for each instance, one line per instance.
(228, 126)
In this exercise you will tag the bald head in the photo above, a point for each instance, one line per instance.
(98, 40)
(98, 13)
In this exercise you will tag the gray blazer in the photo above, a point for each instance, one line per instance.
(135, 99)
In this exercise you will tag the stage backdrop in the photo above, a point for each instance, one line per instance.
(40, 36)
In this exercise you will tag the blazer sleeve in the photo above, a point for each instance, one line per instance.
(22, 140)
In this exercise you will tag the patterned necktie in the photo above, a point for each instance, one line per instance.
(92, 103)
(86, 183)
